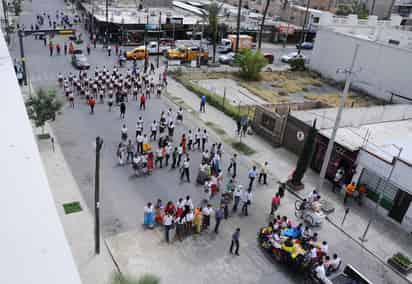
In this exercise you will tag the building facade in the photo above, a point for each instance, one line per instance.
(384, 58)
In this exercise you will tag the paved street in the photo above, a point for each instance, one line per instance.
(136, 251)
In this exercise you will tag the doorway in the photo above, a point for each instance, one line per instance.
(400, 205)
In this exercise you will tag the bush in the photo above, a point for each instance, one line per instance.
(43, 107)
(250, 63)
(297, 64)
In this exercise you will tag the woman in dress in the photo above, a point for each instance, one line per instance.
(148, 219)
(159, 212)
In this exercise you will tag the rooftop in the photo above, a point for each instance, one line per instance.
(376, 128)
(32, 241)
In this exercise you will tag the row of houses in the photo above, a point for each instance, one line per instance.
(367, 147)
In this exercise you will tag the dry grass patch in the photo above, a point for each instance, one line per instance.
(333, 99)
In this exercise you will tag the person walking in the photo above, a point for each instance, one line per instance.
(203, 104)
(206, 212)
(168, 222)
(122, 110)
(139, 140)
(109, 50)
(235, 242)
(51, 48)
(92, 103)
(58, 49)
(237, 195)
(159, 158)
(168, 152)
(130, 152)
(219, 215)
(246, 200)
(174, 158)
(153, 129)
(252, 176)
(65, 48)
(204, 139)
(275, 203)
(263, 173)
(198, 137)
(88, 48)
(179, 153)
(185, 169)
(233, 165)
(142, 102)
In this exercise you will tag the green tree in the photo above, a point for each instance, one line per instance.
(212, 16)
(265, 11)
(145, 279)
(297, 64)
(250, 63)
(305, 157)
(43, 107)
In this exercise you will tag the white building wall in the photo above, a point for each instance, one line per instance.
(382, 68)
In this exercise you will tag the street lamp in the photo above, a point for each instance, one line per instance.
(387, 181)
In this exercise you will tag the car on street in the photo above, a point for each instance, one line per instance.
(305, 45)
(291, 56)
(227, 58)
(139, 52)
(79, 61)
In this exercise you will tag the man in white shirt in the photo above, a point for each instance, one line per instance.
(252, 176)
(204, 139)
(159, 157)
(153, 128)
(139, 140)
(188, 203)
(168, 152)
(206, 212)
(168, 222)
(139, 126)
(320, 271)
(237, 195)
(185, 170)
(246, 200)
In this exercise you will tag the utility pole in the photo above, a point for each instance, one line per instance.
(349, 73)
(387, 180)
(22, 58)
(302, 34)
(239, 9)
(99, 144)
(158, 39)
(107, 22)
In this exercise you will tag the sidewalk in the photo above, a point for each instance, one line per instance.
(79, 227)
(384, 237)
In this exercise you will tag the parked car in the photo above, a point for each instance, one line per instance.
(269, 57)
(227, 58)
(305, 45)
(291, 56)
(79, 61)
